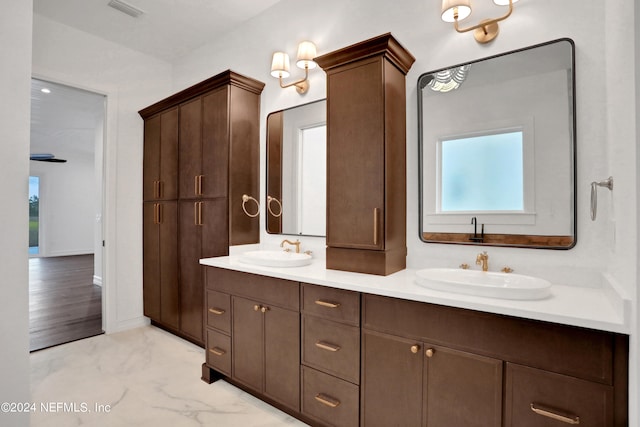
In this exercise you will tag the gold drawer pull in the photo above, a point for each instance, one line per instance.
(217, 351)
(326, 400)
(327, 346)
(328, 304)
(217, 311)
(550, 413)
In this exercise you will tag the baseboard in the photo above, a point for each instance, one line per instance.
(97, 280)
(125, 325)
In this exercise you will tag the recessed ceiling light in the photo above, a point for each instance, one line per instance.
(45, 90)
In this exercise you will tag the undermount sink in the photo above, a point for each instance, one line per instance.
(276, 258)
(484, 283)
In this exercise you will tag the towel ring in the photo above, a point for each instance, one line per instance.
(607, 183)
(273, 199)
(245, 199)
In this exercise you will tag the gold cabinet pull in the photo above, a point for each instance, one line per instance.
(217, 311)
(327, 400)
(160, 209)
(553, 414)
(430, 352)
(200, 184)
(155, 213)
(415, 348)
(156, 191)
(327, 346)
(197, 185)
(256, 307)
(199, 213)
(217, 351)
(327, 304)
(375, 225)
(264, 309)
(195, 213)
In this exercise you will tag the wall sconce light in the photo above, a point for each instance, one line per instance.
(280, 65)
(486, 30)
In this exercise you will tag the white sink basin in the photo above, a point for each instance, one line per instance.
(484, 283)
(276, 258)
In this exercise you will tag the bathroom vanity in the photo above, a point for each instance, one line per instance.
(349, 349)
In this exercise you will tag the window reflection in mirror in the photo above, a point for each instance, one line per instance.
(522, 190)
(296, 170)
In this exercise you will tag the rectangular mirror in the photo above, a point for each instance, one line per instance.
(497, 150)
(296, 170)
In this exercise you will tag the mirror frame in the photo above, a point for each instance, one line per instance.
(544, 242)
(270, 219)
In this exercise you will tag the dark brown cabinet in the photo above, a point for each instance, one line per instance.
(260, 317)
(160, 269)
(366, 156)
(427, 385)
(201, 153)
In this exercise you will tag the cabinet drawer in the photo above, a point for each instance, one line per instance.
(335, 304)
(331, 347)
(219, 311)
(579, 352)
(536, 398)
(219, 351)
(329, 399)
(280, 292)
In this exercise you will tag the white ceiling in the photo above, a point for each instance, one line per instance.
(64, 122)
(167, 30)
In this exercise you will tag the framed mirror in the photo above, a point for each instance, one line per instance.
(497, 150)
(296, 170)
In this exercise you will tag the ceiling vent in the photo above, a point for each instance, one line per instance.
(125, 8)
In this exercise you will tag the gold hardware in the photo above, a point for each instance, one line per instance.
(464, 266)
(160, 209)
(155, 213)
(156, 189)
(217, 351)
(200, 184)
(217, 311)
(375, 225)
(429, 352)
(308, 252)
(296, 244)
(199, 213)
(160, 189)
(273, 199)
(507, 270)
(328, 304)
(327, 400)
(553, 414)
(327, 346)
(485, 31)
(195, 185)
(280, 66)
(264, 309)
(245, 199)
(483, 259)
(256, 307)
(415, 348)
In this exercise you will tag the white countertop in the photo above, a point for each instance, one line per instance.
(599, 308)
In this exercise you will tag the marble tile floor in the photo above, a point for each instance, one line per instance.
(143, 377)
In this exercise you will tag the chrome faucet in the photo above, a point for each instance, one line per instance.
(296, 244)
(483, 259)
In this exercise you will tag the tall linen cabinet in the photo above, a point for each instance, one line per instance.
(200, 192)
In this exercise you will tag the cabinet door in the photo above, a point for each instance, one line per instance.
(215, 228)
(160, 262)
(282, 356)
(190, 148)
(247, 343)
(191, 274)
(215, 143)
(355, 151)
(160, 162)
(391, 385)
(462, 389)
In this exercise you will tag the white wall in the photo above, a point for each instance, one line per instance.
(15, 87)
(131, 81)
(606, 110)
(67, 205)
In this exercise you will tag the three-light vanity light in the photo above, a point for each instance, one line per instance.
(280, 66)
(487, 30)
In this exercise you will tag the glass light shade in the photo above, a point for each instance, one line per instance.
(280, 65)
(306, 53)
(503, 2)
(449, 7)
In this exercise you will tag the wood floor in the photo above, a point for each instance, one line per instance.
(64, 304)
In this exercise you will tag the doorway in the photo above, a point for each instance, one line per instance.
(65, 247)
